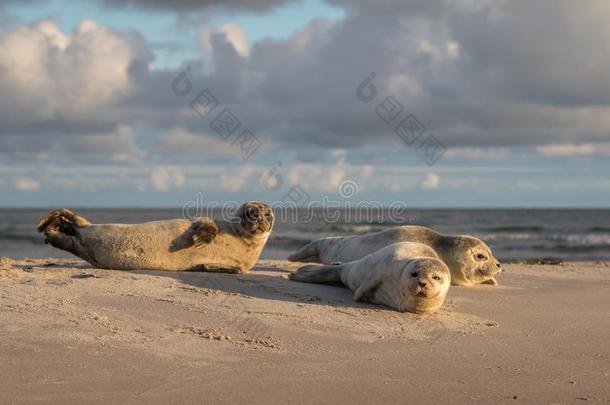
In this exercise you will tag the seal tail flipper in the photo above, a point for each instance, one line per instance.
(309, 253)
(318, 273)
(61, 228)
(63, 216)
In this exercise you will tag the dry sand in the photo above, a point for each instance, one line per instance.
(73, 334)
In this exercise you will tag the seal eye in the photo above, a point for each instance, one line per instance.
(414, 274)
(436, 278)
(481, 256)
(251, 213)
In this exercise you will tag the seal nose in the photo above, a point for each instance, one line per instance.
(422, 284)
(499, 266)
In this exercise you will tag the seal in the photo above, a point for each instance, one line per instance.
(232, 245)
(469, 259)
(405, 276)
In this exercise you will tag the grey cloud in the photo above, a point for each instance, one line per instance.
(546, 52)
(476, 73)
(185, 5)
(54, 83)
(429, 9)
(522, 73)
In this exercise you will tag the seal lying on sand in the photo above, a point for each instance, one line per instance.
(469, 259)
(174, 245)
(404, 276)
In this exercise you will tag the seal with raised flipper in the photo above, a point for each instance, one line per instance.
(405, 276)
(469, 259)
(232, 245)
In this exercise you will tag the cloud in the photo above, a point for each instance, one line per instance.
(478, 153)
(26, 184)
(53, 81)
(484, 77)
(565, 65)
(333, 178)
(115, 147)
(431, 182)
(449, 68)
(366, 172)
(445, 62)
(186, 5)
(584, 149)
(235, 180)
(233, 33)
(166, 178)
(179, 142)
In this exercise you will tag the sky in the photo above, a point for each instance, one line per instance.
(427, 103)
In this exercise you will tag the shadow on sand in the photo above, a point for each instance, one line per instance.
(264, 282)
(258, 283)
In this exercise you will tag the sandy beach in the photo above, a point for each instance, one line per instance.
(70, 333)
(233, 135)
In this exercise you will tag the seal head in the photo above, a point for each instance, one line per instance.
(425, 283)
(255, 218)
(417, 285)
(471, 260)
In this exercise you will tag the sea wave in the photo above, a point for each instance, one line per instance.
(512, 234)
(21, 237)
(515, 228)
(599, 229)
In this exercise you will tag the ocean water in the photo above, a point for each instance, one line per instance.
(513, 234)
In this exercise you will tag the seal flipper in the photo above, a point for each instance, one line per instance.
(370, 282)
(61, 217)
(309, 253)
(318, 273)
(220, 268)
(61, 230)
(490, 281)
(204, 231)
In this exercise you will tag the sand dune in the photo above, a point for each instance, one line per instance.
(70, 333)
